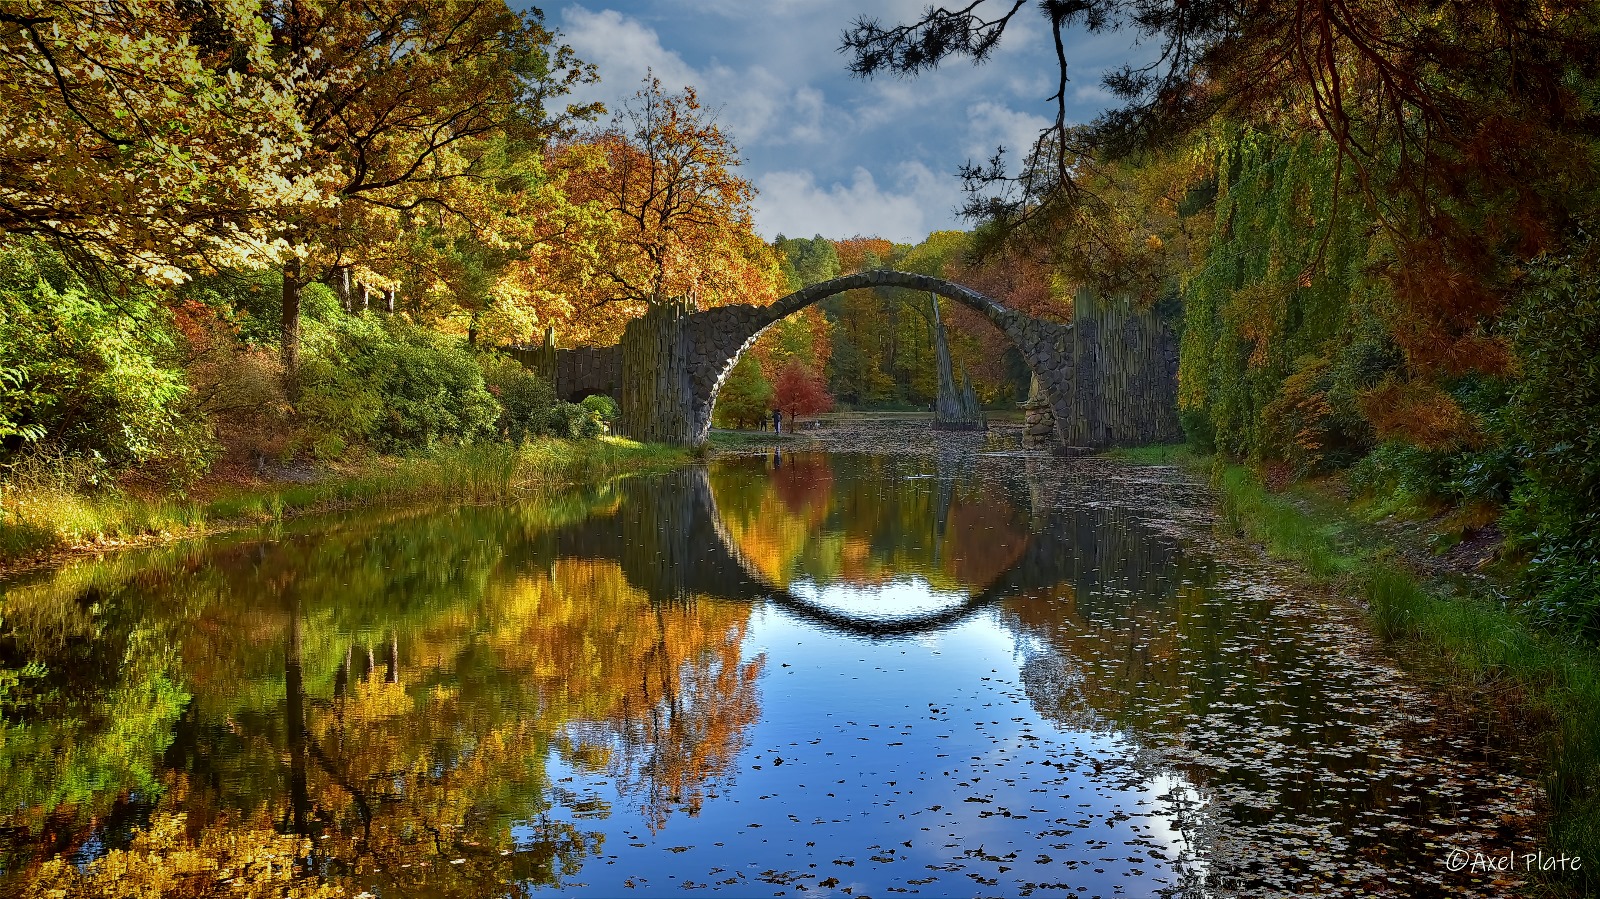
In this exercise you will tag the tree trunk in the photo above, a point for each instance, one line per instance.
(338, 279)
(289, 335)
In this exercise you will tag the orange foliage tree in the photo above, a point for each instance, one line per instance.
(859, 253)
(680, 219)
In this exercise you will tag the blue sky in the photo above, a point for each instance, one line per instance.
(829, 153)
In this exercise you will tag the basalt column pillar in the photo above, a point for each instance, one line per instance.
(656, 393)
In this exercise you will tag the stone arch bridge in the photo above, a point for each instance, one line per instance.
(1109, 377)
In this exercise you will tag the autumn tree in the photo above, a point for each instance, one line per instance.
(160, 136)
(410, 105)
(682, 219)
(800, 391)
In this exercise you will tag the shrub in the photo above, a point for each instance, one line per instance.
(89, 376)
(525, 398)
(251, 301)
(571, 421)
(392, 385)
(590, 425)
(236, 389)
(1555, 415)
(603, 406)
(1399, 468)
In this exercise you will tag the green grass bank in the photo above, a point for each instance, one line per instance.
(43, 515)
(1461, 637)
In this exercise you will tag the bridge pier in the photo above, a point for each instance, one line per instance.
(657, 392)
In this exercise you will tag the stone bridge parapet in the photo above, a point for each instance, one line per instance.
(577, 372)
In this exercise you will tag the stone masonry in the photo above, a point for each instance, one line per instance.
(574, 373)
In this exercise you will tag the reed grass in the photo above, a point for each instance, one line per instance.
(44, 512)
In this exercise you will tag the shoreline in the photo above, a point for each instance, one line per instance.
(1538, 693)
(52, 526)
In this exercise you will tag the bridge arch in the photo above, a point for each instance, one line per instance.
(1110, 376)
(721, 335)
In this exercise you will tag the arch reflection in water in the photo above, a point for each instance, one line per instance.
(889, 546)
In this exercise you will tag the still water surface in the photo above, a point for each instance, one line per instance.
(955, 672)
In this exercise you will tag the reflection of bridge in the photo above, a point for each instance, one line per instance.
(1110, 376)
(670, 540)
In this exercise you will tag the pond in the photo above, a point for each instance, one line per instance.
(945, 668)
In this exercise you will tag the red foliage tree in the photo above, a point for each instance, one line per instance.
(800, 391)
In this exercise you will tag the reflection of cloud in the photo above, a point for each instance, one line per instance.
(898, 598)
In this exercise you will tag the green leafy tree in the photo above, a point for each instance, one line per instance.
(810, 261)
(746, 395)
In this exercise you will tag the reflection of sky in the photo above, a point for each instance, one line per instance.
(905, 764)
(903, 597)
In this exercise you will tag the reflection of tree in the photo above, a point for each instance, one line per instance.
(1140, 676)
(661, 684)
(804, 484)
(774, 514)
(1108, 604)
(87, 704)
(690, 723)
(232, 857)
(393, 689)
(867, 520)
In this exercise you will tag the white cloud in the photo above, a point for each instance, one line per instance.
(831, 153)
(754, 105)
(623, 49)
(809, 113)
(995, 124)
(793, 203)
(1095, 94)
